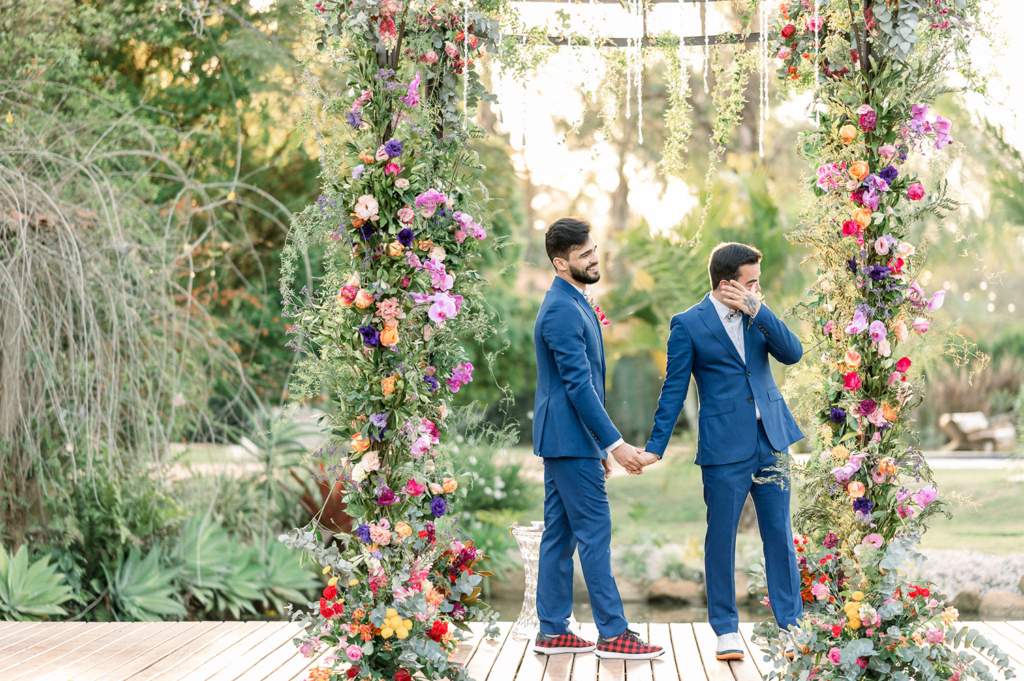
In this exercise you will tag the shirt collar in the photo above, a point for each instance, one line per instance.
(720, 307)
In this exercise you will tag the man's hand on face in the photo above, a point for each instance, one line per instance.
(628, 458)
(736, 296)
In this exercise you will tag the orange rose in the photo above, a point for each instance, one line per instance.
(364, 299)
(395, 249)
(359, 443)
(426, 245)
(901, 331)
(388, 385)
(859, 170)
(855, 489)
(389, 336)
(450, 485)
(862, 216)
(889, 413)
(848, 133)
(852, 359)
(887, 466)
(366, 156)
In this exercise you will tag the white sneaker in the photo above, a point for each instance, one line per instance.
(730, 647)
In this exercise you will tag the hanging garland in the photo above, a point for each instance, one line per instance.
(875, 68)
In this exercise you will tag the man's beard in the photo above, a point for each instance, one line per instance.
(583, 276)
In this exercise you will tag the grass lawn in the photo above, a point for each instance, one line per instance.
(667, 501)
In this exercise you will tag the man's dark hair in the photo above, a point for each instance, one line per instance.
(564, 236)
(727, 259)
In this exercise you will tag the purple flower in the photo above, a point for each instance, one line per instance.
(366, 231)
(386, 496)
(393, 147)
(837, 415)
(852, 264)
(889, 174)
(405, 237)
(862, 505)
(379, 420)
(363, 532)
(942, 127)
(831, 541)
(879, 272)
(358, 171)
(354, 120)
(431, 383)
(461, 375)
(866, 407)
(438, 507)
(370, 335)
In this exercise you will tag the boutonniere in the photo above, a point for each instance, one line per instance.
(597, 311)
(750, 322)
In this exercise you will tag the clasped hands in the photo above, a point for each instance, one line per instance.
(632, 459)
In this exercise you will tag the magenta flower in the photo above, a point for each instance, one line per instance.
(921, 325)
(877, 331)
(925, 496)
(937, 299)
(942, 127)
(442, 308)
(834, 656)
(915, 192)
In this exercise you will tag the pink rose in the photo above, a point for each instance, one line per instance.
(451, 50)
(366, 208)
(887, 151)
(392, 169)
(874, 540)
(785, 53)
(401, 183)
(921, 325)
(820, 591)
(851, 381)
(460, 236)
(915, 192)
(834, 656)
(406, 214)
(382, 154)
(884, 347)
(829, 327)
(414, 489)
(436, 489)
(354, 653)
(934, 636)
(903, 365)
(882, 246)
(430, 57)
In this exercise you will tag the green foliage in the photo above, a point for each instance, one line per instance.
(142, 589)
(30, 591)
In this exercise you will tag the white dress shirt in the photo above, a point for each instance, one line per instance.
(586, 294)
(732, 320)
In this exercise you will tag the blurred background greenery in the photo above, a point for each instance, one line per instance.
(152, 159)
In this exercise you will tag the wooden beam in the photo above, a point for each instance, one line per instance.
(689, 41)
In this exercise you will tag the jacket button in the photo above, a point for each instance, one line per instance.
(748, 373)
(750, 399)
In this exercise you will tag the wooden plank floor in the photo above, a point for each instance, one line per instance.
(263, 651)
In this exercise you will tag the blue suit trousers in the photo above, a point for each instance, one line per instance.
(726, 487)
(576, 515)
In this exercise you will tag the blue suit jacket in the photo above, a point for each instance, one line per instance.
(569, 419)
(728, 388)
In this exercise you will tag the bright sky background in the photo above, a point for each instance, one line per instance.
(527, 112)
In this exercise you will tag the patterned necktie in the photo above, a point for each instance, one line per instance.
(733, 315)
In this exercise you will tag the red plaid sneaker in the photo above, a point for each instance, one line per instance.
(628, 646)
(565, 643)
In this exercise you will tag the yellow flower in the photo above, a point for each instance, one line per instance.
(859, 170)
(862, 216)
(402, 633)
(327, 568)
(450, 485)
(391, 612)
(853, 624)
(332, 581)
(403, 529)
(848, 133)
(841, 452)
(407, 624)
(855, 489)
(386, 632)
(353, 582)
(389, 336)
(857, 595)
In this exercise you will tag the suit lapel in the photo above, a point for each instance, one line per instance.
(709, 316)
(587, 311)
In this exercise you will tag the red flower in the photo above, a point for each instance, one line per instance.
(850, 228)
(903, 365)
(855, 56)
(792, 70)
(352, 672)
(402, 675)
(438, 631)
(851, 381)
(331, 592)
(788, 31)
(836, 630)
(896, 265)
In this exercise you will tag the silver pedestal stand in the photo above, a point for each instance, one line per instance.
(527, 626)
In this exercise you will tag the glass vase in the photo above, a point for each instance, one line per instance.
(527, 626)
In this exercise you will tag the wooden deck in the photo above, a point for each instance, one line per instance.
(257, 651)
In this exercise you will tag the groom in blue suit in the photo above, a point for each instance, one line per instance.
(724, 342)
(574, 436)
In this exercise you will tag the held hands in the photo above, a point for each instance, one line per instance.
(736, 296)
(632, 459)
